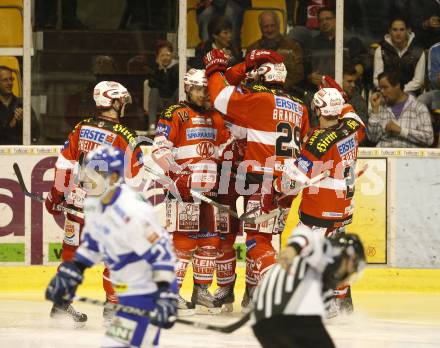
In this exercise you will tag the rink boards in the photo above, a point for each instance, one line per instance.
(396, 204)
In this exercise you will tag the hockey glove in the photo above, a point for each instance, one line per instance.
(215, 60)
(62, 287)
(164, 314)
(257, 57)
(53, 199)
(284, 192)
(183, 185)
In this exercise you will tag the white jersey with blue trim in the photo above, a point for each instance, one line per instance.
(126, 235)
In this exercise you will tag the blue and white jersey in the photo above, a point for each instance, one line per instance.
(126, 235)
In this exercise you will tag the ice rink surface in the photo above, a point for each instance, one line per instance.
(387, 319)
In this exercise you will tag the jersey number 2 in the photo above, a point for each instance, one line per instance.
(283, 145)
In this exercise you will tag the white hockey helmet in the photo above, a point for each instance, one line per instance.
(272, 73)
(107, 91)
(329, 101)
(195, 77)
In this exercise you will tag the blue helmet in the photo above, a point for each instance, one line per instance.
(106, 158)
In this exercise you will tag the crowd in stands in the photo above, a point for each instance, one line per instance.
(391, 71)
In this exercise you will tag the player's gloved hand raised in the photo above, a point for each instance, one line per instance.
(164, 314)
(215, 60)
(53, 199)
(257, 57)
(62, 287)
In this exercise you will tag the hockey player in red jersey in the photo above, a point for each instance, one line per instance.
(103, 129)
(276, 123)
(186, 146)
(328, 206)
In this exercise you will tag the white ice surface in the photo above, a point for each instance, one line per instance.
(382, 320)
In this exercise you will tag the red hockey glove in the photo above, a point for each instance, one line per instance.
(267, 202)
(284, 192)
(257, 57)
(183, 185)
(53, 199)
(328, 82)
(215, 60)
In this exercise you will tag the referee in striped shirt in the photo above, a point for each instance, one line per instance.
(293, 296)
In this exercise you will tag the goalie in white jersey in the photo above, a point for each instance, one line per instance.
(293, 296)
(122, 230)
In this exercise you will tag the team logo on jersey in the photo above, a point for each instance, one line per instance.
(347, 145)
(205, 149)
(304, 164)
(287, 104)
(100, 136)
(201, 133)
(163, 129)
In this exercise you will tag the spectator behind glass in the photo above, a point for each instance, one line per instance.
(163, 80)
(424, 18)
(369, 18)
(220, 36)
(396, 118)
(354, 98)
(11, 113)
(307, 25)
(272, 39)
(432, 98)
(208, 10)
(398, 50)
(46, 15)
(321, 51)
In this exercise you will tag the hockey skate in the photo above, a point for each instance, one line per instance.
(224, 295)
(184, 308)
(345, 304)
(67, 311)
(203, 300)
(246, 303)
(107, 314)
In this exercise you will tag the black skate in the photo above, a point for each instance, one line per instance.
(345, 304)
(185, 308)
(246, 303)
(67, 311)
(224, 296)
(204, 301)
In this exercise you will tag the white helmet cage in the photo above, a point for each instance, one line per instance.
(272, 73)
(195, 77)
(329, 101)
(107, 91)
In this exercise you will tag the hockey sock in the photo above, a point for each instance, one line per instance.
(342, 292)
(184, 245)
(68, 252)
(204, 262)
(260, 256)
(226, 260)
(108, 287)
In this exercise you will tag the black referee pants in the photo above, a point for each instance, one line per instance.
(292, 331)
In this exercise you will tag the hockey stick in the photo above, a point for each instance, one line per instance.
(41, 198)
(264, 217)
(275, 212)
(144, 313)
(198, 195)
(224, 208)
